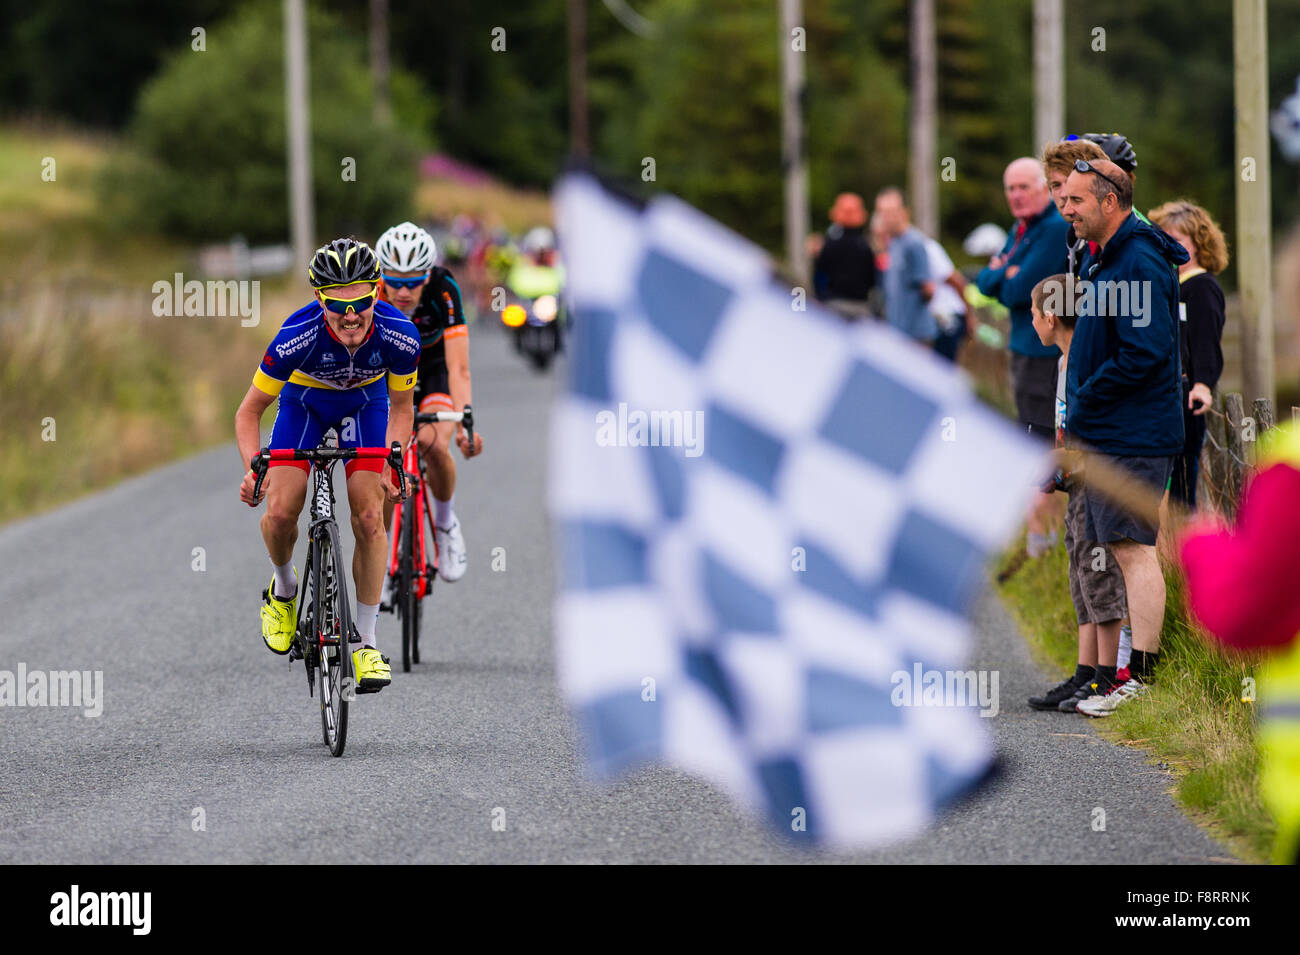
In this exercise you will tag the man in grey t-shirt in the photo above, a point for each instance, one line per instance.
(908, 282)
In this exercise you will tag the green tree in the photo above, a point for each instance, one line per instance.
(208, 139)
(85, 61)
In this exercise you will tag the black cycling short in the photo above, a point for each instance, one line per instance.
(432, 388)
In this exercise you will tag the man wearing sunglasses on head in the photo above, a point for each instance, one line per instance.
(1124, 392)
(346, 361)
(429, 296)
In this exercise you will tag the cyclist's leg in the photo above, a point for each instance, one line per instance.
(435, 444)
(286, 490)
(296, 426)
(369, 560)
(369, 414)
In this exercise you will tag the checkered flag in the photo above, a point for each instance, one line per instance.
(765, 515)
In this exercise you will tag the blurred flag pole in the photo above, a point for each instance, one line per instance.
(794, 161)
(1254, 222)
(1049, 73)
(580, 141)
(298, 118)
(923, 172)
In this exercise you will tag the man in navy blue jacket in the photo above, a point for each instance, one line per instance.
(1123, 397)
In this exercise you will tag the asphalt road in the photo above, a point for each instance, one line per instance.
(201, 723)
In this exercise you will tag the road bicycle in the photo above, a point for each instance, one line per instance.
(413, 561)
(324, 627)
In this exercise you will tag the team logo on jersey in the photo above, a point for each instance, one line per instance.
(376, 359)
(405, 342)
(328, 358)
(294, 344)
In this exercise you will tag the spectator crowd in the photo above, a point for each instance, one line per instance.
(1116, 321)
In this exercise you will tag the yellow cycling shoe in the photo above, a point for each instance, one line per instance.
(372, 670)
(279, 618)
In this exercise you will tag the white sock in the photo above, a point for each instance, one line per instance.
(442, 513)
(1125, 647)
(367, 617)
(285, 585)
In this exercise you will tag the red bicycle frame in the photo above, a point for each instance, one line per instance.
(419, 492)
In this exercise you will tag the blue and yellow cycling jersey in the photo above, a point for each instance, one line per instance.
(306, 352)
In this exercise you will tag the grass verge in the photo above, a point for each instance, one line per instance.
(93, 385)
(1192, 719)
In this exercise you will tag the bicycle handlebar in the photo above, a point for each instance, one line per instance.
(464, 418)
(262, 462)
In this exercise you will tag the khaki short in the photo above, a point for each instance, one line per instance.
(1096, 583)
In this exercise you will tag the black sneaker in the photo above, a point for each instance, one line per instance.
(1096, 687)
(1053, 697)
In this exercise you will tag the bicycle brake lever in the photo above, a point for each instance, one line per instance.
(395, 462)
(259, 466)
(467, 422)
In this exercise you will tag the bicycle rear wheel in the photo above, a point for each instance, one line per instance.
(333, 628)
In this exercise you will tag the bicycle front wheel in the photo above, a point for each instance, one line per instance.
(335, 683)
(405, 596)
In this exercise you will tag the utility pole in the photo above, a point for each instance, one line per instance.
(298, 119)
(379, 68)
(794, 161)
(1049, 73)
(579, 133)
(1254, 223)
(923, 171)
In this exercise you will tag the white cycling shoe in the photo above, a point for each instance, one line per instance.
(452, 560)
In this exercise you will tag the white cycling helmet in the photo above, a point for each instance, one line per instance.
(985, 240)
(538, 239)
(406, 248)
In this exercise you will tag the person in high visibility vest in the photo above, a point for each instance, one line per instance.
(1241, 587)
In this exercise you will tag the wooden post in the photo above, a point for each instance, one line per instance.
(1236, 411)
(923, 171)
(379, 62)
(1217, 444)
(1262, 411)
(579, 136)
(298, 117)
(1049, 73)
(1254, 252)
(794, 159)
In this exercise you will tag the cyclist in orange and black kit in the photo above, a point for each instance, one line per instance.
(427, 294)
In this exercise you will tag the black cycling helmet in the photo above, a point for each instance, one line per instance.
(1117, 149)
(342, 262)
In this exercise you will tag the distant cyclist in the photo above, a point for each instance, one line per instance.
(346, 361)
(428, 295)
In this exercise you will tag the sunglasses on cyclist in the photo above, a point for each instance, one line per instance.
(1082, 165)
(341, 306)
(391, 282)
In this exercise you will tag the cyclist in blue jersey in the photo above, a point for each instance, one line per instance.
(346, 361)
